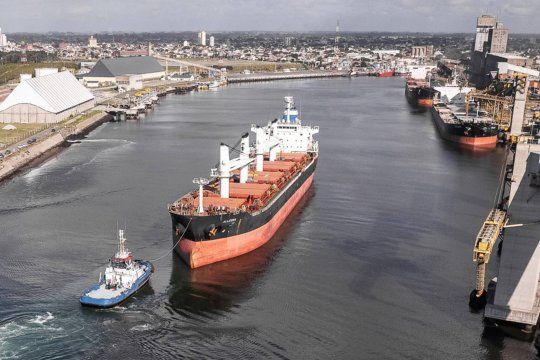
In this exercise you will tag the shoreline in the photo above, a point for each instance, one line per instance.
(38, 153)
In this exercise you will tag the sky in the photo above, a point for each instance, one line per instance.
(93, 16)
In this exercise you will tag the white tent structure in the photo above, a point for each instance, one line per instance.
(46, 99)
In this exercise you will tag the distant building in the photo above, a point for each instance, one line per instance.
(46, 99)
(186, 43)
(422, 52)
(211, 41)
(23, 77)
(3, 39)
(498, 39)
(106, 71)
(45, 71)
(129, 82)
(489, 48)
(288, 41)
(92, 42)
(491, 36)
(484, 23)
(133, 52)
(202, 38)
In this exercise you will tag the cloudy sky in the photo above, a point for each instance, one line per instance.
(274, 15)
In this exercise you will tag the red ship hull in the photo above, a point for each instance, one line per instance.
(201, 253)
(486, 142)
(427, 103)
(386, 73)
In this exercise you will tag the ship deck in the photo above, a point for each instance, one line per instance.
(260, 188)
(458, 116)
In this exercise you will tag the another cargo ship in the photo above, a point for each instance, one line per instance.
(385, 73)
(248, 197)
(419, 93)
(456, 124)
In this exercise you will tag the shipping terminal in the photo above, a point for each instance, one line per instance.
(248, 197)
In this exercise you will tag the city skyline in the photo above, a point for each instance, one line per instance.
(437, 16)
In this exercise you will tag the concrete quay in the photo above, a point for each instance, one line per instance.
(513, 299)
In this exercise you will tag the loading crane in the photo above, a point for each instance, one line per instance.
(485, 240)
(499, 107)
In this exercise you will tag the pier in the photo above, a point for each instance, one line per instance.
(238, 78)
(513, 301)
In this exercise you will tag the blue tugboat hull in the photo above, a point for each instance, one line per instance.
(110, 302)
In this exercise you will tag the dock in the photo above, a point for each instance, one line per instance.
(268, 76)
(513, 298)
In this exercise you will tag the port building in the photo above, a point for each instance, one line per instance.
(46, 99)
(107, 71)
(489, 48)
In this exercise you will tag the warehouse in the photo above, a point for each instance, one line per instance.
(107, 71)
(46, 99)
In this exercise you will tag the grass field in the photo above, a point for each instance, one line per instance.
(8, 137)
(11, 71)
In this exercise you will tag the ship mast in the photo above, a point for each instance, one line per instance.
(121, 242)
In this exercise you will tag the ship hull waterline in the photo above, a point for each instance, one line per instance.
(237, 234)
(480, 142)
(416, 101)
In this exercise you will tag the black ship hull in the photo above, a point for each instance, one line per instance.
(479, 134)
(212, 238)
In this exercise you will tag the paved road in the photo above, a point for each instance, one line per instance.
(15, 147)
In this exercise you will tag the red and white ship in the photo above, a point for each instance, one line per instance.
(248, 197)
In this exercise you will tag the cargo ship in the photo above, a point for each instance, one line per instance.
(470, 127)
(385, 73)
(247, 198)
(419, 93)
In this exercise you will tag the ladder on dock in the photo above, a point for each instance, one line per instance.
(485, 240)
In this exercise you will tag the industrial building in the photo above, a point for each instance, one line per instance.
(107, 71)
(422, 52)
(46, 99)
(489, 49)
(3, 39)
(491, 36)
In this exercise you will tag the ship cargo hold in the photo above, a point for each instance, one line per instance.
(247, 198)
(471, 128)
(419, 93)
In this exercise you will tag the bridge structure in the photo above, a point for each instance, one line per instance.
(194, 67)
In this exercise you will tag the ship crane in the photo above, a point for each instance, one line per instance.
(265, 142)
(227, 165)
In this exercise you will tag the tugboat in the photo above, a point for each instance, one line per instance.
(123, 277)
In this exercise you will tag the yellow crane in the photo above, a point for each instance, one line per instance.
(497, 106)
(485, 240)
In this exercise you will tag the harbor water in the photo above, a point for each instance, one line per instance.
(375, 263)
